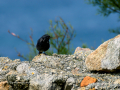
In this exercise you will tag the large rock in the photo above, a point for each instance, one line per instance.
(56, 72)
(106, 56)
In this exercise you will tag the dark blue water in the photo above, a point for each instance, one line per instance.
(20, 16)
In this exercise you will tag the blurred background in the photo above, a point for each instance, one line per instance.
(20, 16)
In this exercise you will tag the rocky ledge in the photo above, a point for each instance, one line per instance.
(84, 70)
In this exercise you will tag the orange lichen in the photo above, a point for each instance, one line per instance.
(87, 80)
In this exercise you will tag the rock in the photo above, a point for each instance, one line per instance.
(16, 60)
(117, 81)
(47, 82)
(22, 68)
(18, 82)
(82, 88)
(69, 83)
(78, 49)
(81, 53)
(87, 80)
(25, 69)
(41, 82)
(75, 71)
(4, 85)
(40, 58)
(5, 60)
(105, 57)
(8, 64)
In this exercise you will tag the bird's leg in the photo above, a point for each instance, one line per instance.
(40, 53)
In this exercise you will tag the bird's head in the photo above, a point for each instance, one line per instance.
(45, 37)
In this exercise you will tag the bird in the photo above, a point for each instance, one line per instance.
(43, 43)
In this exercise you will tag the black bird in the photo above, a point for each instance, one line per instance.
(43, 43)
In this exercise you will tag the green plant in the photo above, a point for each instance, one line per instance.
(106, 7)
(62, 35)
